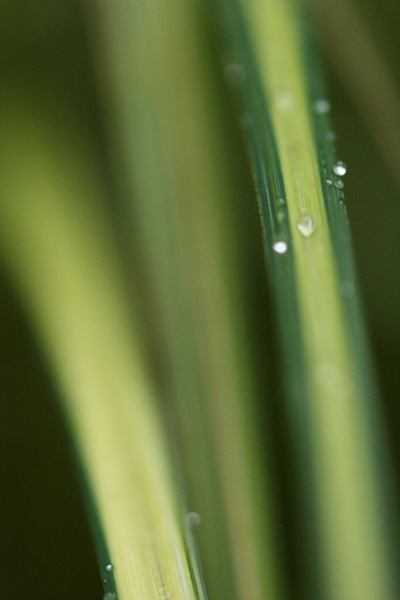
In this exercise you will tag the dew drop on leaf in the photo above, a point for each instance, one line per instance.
(306, 226)
(193, 519)
(322, 106)
(339, 168)
(280, 247)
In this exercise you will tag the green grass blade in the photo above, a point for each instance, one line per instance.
(58, 248)
(362, 68)
(339, 455)
(166, 113)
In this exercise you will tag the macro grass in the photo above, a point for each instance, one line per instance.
(302, 195)
(61, 257)
(129, 241)
(190, 192)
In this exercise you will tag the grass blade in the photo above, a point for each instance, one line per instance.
(334, 414)
(364, 72)
(166, 112)
(59, 251)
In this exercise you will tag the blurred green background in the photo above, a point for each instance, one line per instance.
(46, 545)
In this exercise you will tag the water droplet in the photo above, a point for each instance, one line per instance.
(339, 168)
(281, 202)
(164, 593)
(110, 596)
(339, 185)
(235, 75)
(281, 215)
(322, 106)
(331, 136)
(284, 100)
(306, 225)
(110, 568)
(193, 519)
(280, 247)
(328, 182)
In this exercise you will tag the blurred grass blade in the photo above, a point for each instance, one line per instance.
(56, 243)
(363, 70)
(344, 507)
(175, 158)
